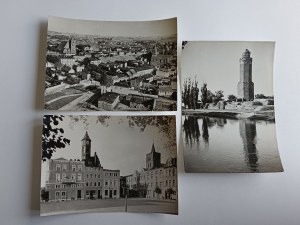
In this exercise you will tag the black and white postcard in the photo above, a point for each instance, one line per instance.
(228, 119)
(109, 164)
(111, 66)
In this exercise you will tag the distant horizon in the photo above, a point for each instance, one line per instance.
(160, 28)
(157, 37)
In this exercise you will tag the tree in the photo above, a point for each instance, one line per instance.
(44, 195)
(170, 192)
(86, 62)
(52, 138)
(232, 98)
(190, 93)
(53, 59)
(219, 95)
(204, 94)
(157, 191)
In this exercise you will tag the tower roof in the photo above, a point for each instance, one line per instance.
(86, 136)
(153, 147)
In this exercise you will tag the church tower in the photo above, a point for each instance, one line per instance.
(86, 147)
(245, 85)
(152, 159)
(72, 44)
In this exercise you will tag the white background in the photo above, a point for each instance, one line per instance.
(209, 199)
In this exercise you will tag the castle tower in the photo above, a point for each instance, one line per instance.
(86, 147)
(152, 159)
(72, 44)
(245, 85)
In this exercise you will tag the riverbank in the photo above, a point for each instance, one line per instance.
(232, 114)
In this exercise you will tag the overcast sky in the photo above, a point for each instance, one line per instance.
(117, 145)
(114, 28)
(217, 63)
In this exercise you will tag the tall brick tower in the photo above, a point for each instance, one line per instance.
(245, 85)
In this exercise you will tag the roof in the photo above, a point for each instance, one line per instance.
(61, 158)
(167, 88)
(153, 147)
(86, 136)
(62, 45)
(109, 97)
(136, 100)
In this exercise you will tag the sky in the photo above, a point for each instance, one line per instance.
(217, 64)
(114, 28)
(117, 145)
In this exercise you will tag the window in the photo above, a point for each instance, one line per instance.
(58, 177)
(160, 184)
(73, 167)
(91, 175)
(57, 186)
(99, 184)
(95, 184)
(63, 176)
(173, 182)
(63, 193)
(79, 167)
(99, 176)
(106, 183)
(91, 184)
(79, 177)
(115, 192)
(87, 176)
(87, 184)
(95, 175)
(106, 192)
(64, 167)
(166, 183)
(73, 176)
(57, 167)
(173, 172)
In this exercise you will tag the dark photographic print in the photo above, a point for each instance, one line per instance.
(111, 66)
(228, 120)
(109, 164)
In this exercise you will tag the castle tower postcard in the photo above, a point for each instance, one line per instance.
(228, 117)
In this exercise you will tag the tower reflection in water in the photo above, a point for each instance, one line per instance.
(248, 135)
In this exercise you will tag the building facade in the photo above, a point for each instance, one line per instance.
(157, 180)
(245, 85)
(69, 179)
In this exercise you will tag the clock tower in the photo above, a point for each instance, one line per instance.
(86, 147)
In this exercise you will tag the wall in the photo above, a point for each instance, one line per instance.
(208, 199)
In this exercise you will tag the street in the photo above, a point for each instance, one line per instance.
(139, 205)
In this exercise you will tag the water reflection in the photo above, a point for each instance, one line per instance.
(248, 134)
(191, 129)
(229, 145)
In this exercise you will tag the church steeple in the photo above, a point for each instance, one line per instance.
(153, 147)
(152, 158)
(86, 137)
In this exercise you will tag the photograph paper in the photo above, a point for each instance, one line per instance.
(109, 164)
(228, 120)
(111, 66)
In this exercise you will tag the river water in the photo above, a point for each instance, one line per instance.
(229, 145)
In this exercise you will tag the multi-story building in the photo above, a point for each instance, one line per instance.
(157, 180)
(69, 179)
